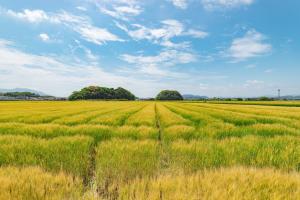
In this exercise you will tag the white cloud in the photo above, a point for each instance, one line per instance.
(96, 35)
(166, 57)
(268, 71)
(249, 46)
(86, 29)
(34, 16)
(80, 24)
(250, 66)
(196, 33)
(81, 8)
(119, 9)
(44, 37)
(182, 4)
(155, 65)
(254, 83)
(170, 28)
(216, 4)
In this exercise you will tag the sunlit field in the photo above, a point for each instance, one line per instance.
(149, 150)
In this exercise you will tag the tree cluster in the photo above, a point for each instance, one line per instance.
(96, 92)
(169, 95)
(20, 94)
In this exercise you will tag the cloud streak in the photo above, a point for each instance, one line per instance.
(218, 4)
(181, 4)
(251, 45)
(169, 29)
(119, 9)
(79, 24)
(156, 65)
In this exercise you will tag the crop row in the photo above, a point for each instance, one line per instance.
(265, 103)
(176, 121)
(122, 160)
(61, 112)
(231, 183)
(98, 132)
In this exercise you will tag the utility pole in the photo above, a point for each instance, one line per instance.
(278, 93)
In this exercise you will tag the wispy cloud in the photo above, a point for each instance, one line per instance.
(268, 71)
(169, 29)
(81, 8)
(217, 4)
(156, 65)
(249, 46)
(80, 24)
(44, 37)
(34, 16)
(182, 4)
(119, 9)
(168, 57)
(254, 83)
(250, 66)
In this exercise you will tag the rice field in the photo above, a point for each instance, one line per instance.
(104, 150)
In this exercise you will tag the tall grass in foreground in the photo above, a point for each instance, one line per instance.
(279, 152)
(225, 184)
(35, 184)
(70, 154)
(119, 161)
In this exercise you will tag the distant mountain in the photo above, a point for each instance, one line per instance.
(193, 97)
(291, 97)
(23, 90)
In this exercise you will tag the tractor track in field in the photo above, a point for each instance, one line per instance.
(157, 124)
(196, 123)
(129, 114)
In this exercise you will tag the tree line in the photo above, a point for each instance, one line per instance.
(97, 92)
(19, 94)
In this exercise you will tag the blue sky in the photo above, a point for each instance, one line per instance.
(204, 47)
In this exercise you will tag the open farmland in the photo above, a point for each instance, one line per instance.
(149, 150)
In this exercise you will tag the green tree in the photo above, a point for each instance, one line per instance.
(96, 92)
(169, 95)
(121, 93)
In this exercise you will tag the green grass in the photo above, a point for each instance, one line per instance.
(69, 154)
(279, 152)
(119, 161)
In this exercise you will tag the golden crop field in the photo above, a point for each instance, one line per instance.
(149, 150)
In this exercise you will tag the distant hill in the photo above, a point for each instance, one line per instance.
(193, 97)
(291, 97)
(23, 90)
